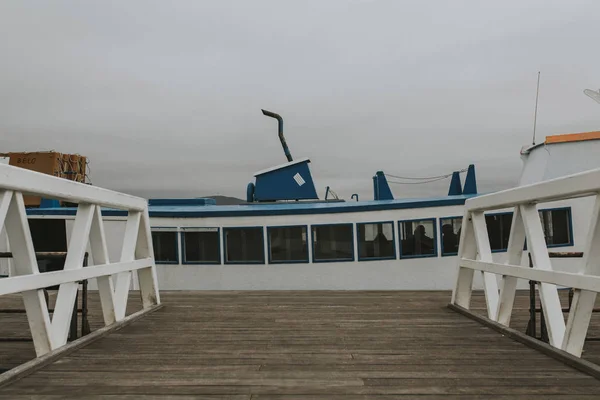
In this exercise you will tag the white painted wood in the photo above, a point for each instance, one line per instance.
(536, 243)
(566, 279)
(5, 198)
(24, 283)
(508, 287)
(123, 279)
(490, 284)
(467, 249)
(570, 186)
(99, 252)
(31, 182)
(583, 301)
(87, 228)
(5, 264)
(148, 281)
(25, 263)
(67, 292)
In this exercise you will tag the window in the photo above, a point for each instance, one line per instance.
(49, 235)
(498, 226)
(417, 238)
(244, 245)
(376, 241)
(166, 246)
(201, 246)
(288, 244)
(333, 242)
(556, 224)
(450, 231)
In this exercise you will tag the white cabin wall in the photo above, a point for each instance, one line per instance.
(559, 159)
(429, 273)
(534, 166)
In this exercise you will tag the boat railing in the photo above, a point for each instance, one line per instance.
(113, 278)
(475, 255)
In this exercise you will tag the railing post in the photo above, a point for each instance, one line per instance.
(526, 225)
(514, 252)
(88, 228)
(25, 263)
(467, 249)
(583, 301)
(490, 283)
(147, 279)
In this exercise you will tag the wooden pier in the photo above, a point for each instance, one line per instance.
(299, 345)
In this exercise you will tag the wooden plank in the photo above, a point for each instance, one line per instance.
(63, 309)
(490, 283)
(467, 248)
(567, 358)
(24, 283)
(306, 344)
(583, 301)
(99, 251)
(48, 358)
(31, 182)
(25, 263)
(514, 251)
(566, 279)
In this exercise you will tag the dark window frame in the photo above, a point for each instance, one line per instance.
(352, 241)
(360, 257)
(570, 226)
(167, 229)
(435, 238)
(191, 230)
(308, 240)
(549, 246)
(450, 254)
(504, 249)
(262, 244)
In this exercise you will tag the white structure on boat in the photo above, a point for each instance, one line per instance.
(270, 243)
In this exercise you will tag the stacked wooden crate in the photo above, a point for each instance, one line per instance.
(66, 166)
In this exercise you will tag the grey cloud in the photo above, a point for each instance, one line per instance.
(165, 97)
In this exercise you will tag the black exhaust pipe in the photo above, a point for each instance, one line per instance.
(288, 155)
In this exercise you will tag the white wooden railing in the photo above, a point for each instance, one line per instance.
(475, 255)
(113, 279)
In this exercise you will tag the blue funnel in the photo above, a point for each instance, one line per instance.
(470, 181)
(455, 185)
(381, 188)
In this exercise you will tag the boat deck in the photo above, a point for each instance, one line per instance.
(299, 345)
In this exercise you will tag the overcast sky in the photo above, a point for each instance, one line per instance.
(164, 97)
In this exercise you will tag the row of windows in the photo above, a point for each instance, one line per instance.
(335, 242)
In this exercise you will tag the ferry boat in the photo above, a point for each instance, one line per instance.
(285, 237)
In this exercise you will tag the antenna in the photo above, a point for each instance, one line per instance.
(537, 94)
(592, 94)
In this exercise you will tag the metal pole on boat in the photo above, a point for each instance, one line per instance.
(537, 94)
(286, 150)
(594, 95)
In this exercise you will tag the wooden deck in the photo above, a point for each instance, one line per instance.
(299, 345)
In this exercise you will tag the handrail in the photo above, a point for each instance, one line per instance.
(114, 278)
(37, 183)
(581, 184)
(475, 255)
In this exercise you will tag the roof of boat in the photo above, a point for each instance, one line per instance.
(179, 210)
(572, 137)
(563, 138)
(287, 164)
